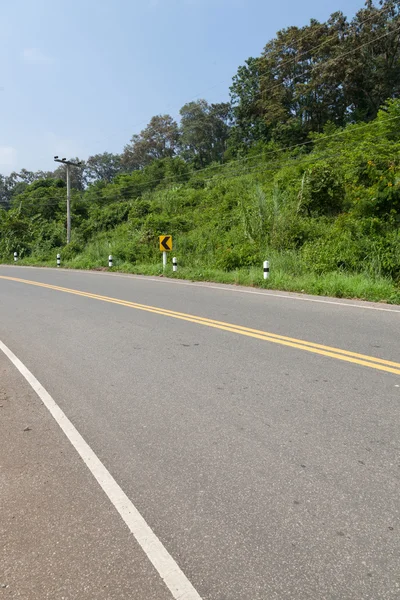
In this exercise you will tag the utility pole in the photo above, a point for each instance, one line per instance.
(68, 164)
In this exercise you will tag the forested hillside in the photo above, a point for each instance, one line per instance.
(301, 167)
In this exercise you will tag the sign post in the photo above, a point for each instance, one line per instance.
(165, 246)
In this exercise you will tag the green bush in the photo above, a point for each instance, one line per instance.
(245, 255)
(327, 216)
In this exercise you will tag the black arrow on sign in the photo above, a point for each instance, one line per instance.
(165, 242)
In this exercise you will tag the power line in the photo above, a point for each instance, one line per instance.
(147, 184)
(301, 39)
(299, 145)
(272, 152)
(270, 167)
(334, 60)
(264, 154)
(310, 50)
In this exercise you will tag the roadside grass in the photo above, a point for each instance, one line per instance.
(283, 276)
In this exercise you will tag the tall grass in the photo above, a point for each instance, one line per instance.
(286, 274)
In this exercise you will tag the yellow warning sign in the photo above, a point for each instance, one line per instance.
(165, 243)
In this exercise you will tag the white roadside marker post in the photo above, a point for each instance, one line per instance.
(110, 261)
(58, 260)
(174, 264)
(266, 269)
(15, 256)
(164, 260)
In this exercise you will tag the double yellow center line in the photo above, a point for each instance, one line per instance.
(351, 357)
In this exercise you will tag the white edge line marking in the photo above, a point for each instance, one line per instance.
(204, 285)
(209, 286)
(175, 580)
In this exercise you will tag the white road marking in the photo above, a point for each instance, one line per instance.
(206, 285)
(175, 580)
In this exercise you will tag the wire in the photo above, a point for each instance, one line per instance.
(301, 39)
(256, 168)
(279, 85)
(229, 164)
(307, 52)
(272, 152)
(292, 147)
(333, 60)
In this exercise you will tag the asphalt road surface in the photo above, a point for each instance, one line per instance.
(257, 434)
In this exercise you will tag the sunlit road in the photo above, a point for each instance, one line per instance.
(257, 434)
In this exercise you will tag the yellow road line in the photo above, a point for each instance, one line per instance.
(337, 353)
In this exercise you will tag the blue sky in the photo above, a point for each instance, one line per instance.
(79, 78)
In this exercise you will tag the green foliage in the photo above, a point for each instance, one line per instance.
(158, 140)
(240, 255)
(204, 132)
(322, 190)
(105, 218)
(339, 71)
(103, 167)
(302, 168)
(333, 210)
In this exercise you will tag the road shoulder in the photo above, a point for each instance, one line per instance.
(59, 535)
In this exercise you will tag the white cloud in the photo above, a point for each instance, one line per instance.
(8, 156)
(34, 56)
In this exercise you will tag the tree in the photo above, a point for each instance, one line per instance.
(204, 131)
(294, 87)
(77, 175)
(248, 123)
(301, 84)
(103, 167)
(372, 65)
(7, 184)
(158, 140)
(44, 197)
(336, 72)
(25, 176)
(16, 183)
